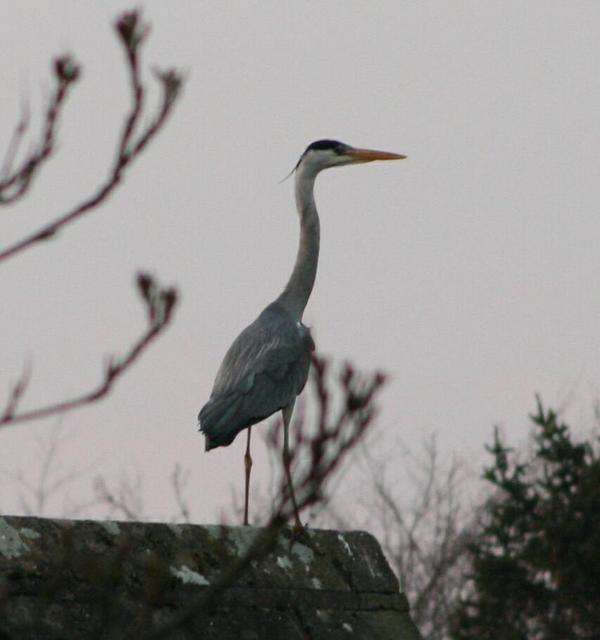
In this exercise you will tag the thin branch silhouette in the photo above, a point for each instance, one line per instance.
(49, 475)
(132, 32)
(126, 500)
(159, 302)
(14, 183)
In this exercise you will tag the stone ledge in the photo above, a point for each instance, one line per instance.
(82, 579)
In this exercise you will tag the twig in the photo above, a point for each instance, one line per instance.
(132, 32)
(17, 182)
(13, 148)
(179, 479)
(159, 303)
(18, 391)
(52, 474)
(128, 500)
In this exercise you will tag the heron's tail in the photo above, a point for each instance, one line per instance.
(219, 421)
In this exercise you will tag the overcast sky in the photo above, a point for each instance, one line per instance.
(468, 272)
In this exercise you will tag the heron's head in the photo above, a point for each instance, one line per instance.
(324, 154)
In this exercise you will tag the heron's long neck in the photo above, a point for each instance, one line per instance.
(299, 286)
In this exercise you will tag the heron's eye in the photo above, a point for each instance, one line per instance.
(342, 148)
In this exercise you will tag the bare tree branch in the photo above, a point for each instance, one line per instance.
(159, 302)
(52, 475)
(132, 31)
(179, 480)
(416, 505)
(18, 390)
(428, 537)
(127, 500)
(12, 151)
(16, 183)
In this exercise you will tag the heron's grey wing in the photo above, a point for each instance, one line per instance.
(264, 370)
(280, 377)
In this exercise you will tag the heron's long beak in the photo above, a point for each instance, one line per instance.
(368, 155)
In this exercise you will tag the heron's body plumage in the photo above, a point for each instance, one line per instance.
(263, 371)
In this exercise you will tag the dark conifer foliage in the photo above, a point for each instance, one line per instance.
(535, 567)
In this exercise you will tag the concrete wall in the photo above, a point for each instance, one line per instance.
(86, 579)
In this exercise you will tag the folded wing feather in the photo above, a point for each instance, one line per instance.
(263, 371)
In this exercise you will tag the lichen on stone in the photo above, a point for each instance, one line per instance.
(303, 553)
(242, 538)
(31, 534)
(110, 526)
(11, 545)
(347, 547)
(176, 529)
(284, 563)
(187, 576)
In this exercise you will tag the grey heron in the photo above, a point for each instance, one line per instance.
(267, 365)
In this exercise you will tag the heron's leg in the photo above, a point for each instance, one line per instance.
(248, 466)
(287, 458)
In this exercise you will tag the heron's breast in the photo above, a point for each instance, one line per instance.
(305, 335)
